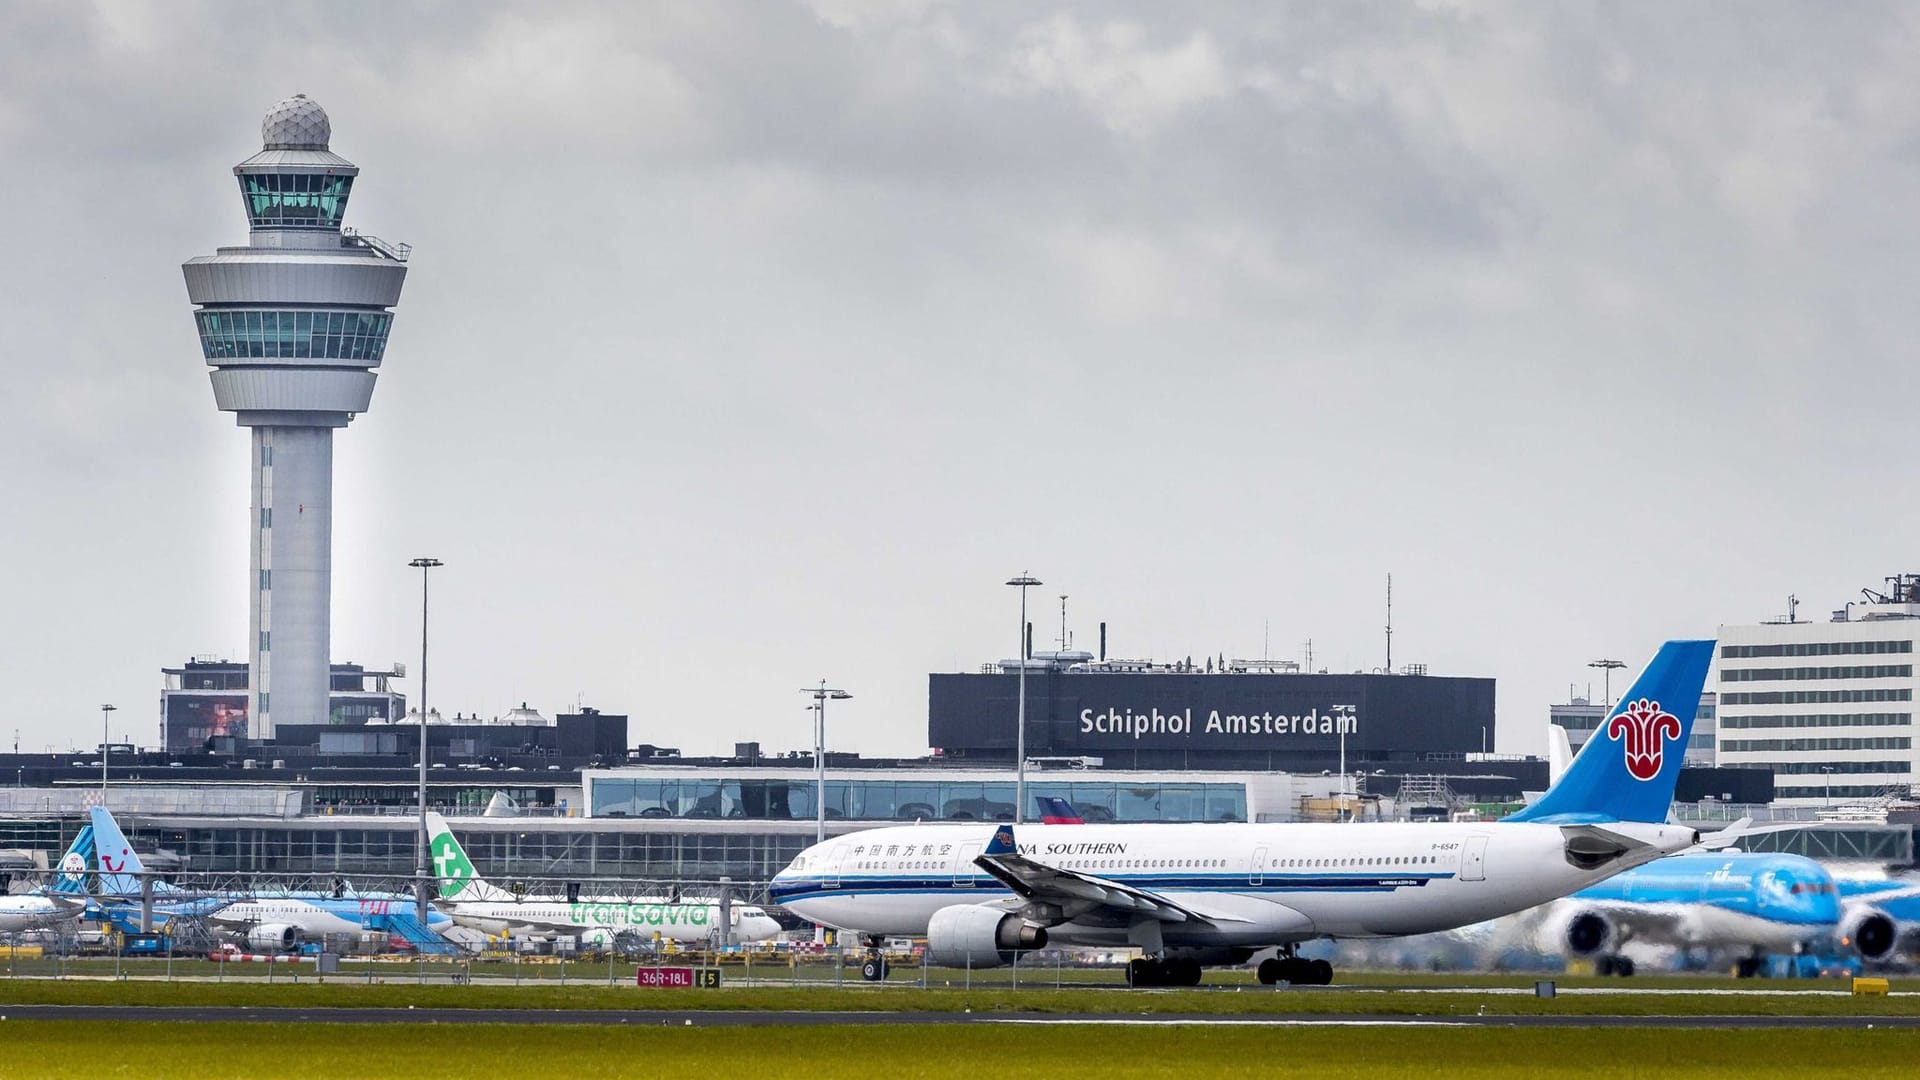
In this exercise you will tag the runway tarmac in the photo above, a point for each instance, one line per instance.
(800, 1018)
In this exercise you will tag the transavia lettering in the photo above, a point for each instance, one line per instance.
(639, 914)
(1342, 720)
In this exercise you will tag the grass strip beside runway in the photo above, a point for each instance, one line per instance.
(1333, 1002)
(346, 1052)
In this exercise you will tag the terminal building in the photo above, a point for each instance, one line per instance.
(1826, 706)
(1221, 714)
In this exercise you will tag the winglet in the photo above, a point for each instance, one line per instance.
(1002, 842)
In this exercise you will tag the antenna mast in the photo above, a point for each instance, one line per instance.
(1389, 623)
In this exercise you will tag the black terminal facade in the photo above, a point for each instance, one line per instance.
(1185, 719)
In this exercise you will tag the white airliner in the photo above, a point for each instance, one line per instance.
(1185, 895)
(474, 903)
(19, 913)
(65, 899)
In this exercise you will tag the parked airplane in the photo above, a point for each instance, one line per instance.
(268, 920)
(474, 903)
(64, 899)
(1185, 895)
(1895, 899)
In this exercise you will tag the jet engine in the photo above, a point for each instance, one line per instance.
(1868, 931)
(966, 936)
(274, 937)
(1580, 932)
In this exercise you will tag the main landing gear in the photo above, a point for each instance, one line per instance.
(1147, 972)
(873, 967)
(1612, 964)
(1288, 968)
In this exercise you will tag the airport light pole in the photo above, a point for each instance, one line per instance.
(821, 695)
(106, 713)
(1023, 582)
(1827, 771)
(1607, 668)
(420, 865)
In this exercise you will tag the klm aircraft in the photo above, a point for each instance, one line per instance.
(1223, 893)
(1898, 899)
(269, 920)
(1745, 904)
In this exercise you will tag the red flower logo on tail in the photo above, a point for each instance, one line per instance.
(1645, 729)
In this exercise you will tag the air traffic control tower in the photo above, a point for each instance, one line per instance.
(293, 325)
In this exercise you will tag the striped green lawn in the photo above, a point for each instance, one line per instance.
(346, 1052)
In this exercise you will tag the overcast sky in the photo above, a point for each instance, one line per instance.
(750, 344)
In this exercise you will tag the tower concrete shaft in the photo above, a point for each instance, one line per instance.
(293, 325)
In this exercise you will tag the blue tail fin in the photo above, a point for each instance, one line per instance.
(1627, 769)
(1002, 842)
(1057, 811)
(119, 866)
(72, 878)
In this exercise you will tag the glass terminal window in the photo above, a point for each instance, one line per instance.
(910, 800)
(318, 335)
(295, 200)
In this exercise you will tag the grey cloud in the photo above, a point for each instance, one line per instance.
(750, 343)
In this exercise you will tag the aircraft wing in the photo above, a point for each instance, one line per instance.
(1036, 881)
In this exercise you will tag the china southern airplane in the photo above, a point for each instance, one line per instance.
(476, 904)
(1187, 895)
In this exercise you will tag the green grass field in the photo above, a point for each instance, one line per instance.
(780, 974)
(351, 993)
(420, 1052)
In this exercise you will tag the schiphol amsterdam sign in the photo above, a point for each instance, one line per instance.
(1215, 724)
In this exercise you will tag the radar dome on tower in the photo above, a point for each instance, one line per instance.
(296, 123)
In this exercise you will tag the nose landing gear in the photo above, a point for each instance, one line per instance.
(873, 967)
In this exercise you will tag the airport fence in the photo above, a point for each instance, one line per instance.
(70, 955)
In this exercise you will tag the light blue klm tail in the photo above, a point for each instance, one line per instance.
(119, 866)
(1628, 768)
(72, 877)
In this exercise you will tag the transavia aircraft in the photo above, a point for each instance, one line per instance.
(474, 903)
(1221, 893)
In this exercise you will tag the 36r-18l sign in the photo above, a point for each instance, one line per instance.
(677, 978)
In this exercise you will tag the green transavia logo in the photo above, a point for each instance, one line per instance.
(450, 865)
(592, 914)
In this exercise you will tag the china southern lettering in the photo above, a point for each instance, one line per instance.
(1155, 722)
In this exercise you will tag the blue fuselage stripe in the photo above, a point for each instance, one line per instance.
(862, 885)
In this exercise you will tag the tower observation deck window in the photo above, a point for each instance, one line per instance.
(295, 200)
(297, 335)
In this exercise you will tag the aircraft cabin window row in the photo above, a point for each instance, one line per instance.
(1415, 860)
